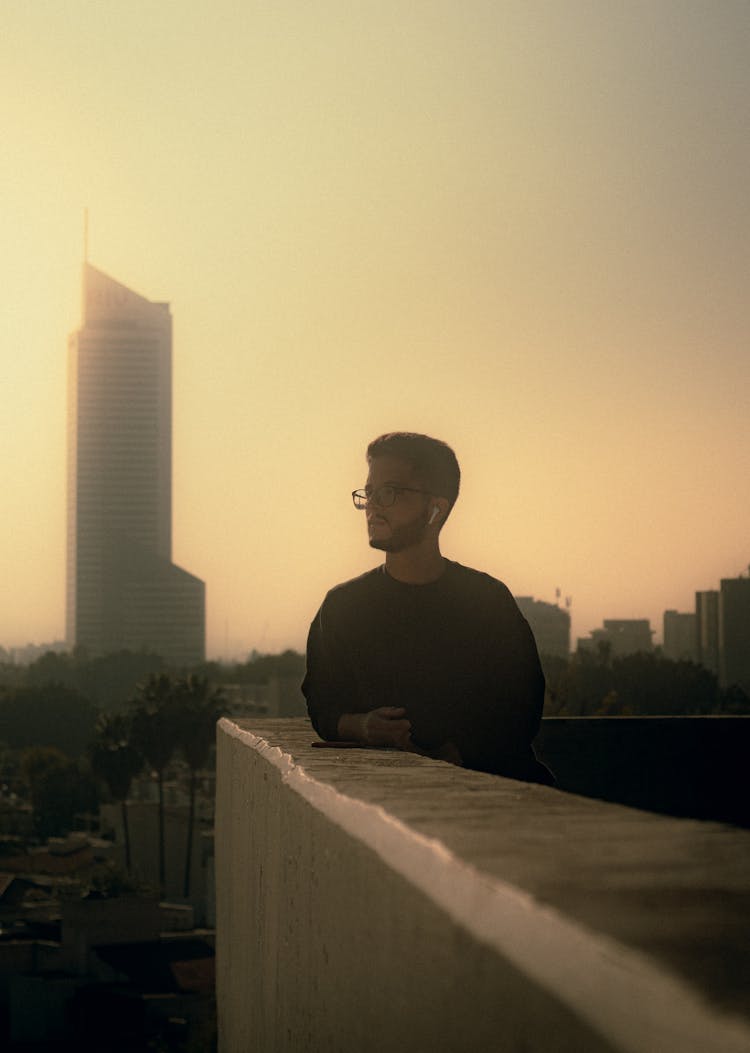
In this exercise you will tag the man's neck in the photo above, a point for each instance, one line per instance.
(415, 566)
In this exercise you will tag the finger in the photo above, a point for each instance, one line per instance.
(388, 732)
(392, 728)
(396, 734)
(390, 712)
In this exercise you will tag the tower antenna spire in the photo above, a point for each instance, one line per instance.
(85, 235)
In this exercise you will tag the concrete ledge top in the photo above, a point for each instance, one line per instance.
(674, 892)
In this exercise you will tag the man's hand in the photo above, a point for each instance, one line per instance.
(385, 726)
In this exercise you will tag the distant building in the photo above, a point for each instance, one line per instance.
(30, 652)
(123, 591)
(734, 632)
(707, 629)
(622, 636)
(279, 697)
(550, 625)
(679, 636)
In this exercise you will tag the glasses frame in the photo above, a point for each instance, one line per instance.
(362, 495)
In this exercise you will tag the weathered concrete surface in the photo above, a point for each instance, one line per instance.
(372, 900)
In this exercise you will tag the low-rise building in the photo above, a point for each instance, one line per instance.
(550, 625)
(621, 636)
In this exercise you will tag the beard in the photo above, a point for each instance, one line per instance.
(400, 538)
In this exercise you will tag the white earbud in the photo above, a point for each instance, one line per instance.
(434, 514)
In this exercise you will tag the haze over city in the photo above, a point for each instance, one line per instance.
(522, 228)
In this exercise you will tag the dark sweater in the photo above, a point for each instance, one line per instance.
(456, 653)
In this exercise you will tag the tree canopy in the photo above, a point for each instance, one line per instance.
(258, 669)
(596, 684)
(108, 680)
(49, 715)
(60, 789)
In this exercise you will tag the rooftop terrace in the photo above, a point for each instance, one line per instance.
(376, 900)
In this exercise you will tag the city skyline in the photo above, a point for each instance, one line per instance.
(523, 231)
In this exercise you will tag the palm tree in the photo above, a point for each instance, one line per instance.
(116, 760)
(155, 725)
(199, 710)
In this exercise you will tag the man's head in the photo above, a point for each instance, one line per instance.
(422, 479)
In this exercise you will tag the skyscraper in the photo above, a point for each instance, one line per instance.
(123, 591)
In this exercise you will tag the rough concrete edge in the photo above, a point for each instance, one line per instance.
(621, 993)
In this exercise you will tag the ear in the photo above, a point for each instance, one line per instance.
(439, 508)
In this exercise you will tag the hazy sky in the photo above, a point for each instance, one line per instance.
(520, 226)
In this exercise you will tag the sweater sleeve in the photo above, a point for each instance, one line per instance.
(326, 686)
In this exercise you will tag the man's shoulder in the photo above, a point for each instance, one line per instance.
(487, 601)
(351, 602)
(481, 584)
(355, 588)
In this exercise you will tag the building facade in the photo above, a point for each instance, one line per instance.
(123, 591)
(734, 632)
(550, 625)
(707, 628)
(679, 636)
(621, 636)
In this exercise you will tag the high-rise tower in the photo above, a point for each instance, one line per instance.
(123, 591)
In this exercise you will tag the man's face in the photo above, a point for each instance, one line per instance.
(402, 524)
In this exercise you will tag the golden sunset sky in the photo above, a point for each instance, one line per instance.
(520, 226)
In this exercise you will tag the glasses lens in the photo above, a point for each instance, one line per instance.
(384, 497)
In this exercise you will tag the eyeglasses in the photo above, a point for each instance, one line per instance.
(383, 497)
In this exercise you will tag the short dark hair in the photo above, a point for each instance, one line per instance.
(431, 459)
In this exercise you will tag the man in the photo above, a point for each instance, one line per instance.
(422, 653)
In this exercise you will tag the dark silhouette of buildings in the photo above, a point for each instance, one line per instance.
(707, 629)
(722, 631)
(734, 632)
(123, 591)
(550, 625)
(621, 636)
(679, 636)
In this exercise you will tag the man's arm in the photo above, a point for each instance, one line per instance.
(447, 752)
(389, 726)
(325, 685)
(499, 725)
(385, 726)
(330, 691)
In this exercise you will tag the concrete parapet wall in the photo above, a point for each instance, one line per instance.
(692, 766)
(376, 901)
